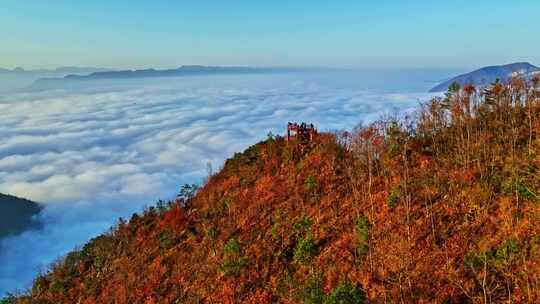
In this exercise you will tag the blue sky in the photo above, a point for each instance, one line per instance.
(384, 33)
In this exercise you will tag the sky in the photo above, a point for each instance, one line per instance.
(164, 34)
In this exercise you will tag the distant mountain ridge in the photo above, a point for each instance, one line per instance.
(59, 70)
(486, 75)
(17, 79)
(186, 70)
(17, 215)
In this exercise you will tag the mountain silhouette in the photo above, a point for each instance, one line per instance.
(17, 215)
(486, 75)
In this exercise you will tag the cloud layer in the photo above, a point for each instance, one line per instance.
(96, 153)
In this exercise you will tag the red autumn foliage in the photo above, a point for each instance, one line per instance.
(173, 218)
(443, 209)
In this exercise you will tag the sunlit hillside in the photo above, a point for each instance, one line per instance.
(439, 207)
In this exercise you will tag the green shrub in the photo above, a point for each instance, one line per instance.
(311, 186)
(346, 293)
(98, 261)
(223, 205)
(188, 191)
(475, 260)
(56, 287)
(393, 132)
(232, 247)
(305, 250)
(302, 225)
(507, 250)
(72, 259)
(165, 240)
(362, 230)
(534, 246)
(9, 299)
(212, 234)
(232, 267)
(496, 181)
(310, 183)
(161, 206)
(393, 199)
(516, 185)
(233, 262)
(454, 87)
(275, 231)
(313, 291)
(527, 193)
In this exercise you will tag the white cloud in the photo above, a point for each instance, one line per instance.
(96, 153)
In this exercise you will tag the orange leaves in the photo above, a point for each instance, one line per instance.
(141, 236)
(228, 291)
(469, 89)
(275, 202)
(150, 300)
(424, 162)
(371, 136)
(462, 176)
(260, 296)
(456, 111)
(497, 89)
(265, 190)
(343, 248)
(89, 301)
(367, 134)
(535, 80)
(174, 219)
(230, 183)
(517, 83)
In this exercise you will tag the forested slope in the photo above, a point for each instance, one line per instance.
(442, 207)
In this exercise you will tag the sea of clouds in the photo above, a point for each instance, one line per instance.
(101, 150)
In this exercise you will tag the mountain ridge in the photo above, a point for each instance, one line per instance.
(58, 70)
(486, 75)
(183, 71)
(186, 70)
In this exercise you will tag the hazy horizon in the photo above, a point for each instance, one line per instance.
(351, 68)
(160, 34)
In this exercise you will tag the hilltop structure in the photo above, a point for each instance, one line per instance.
(301, 132)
